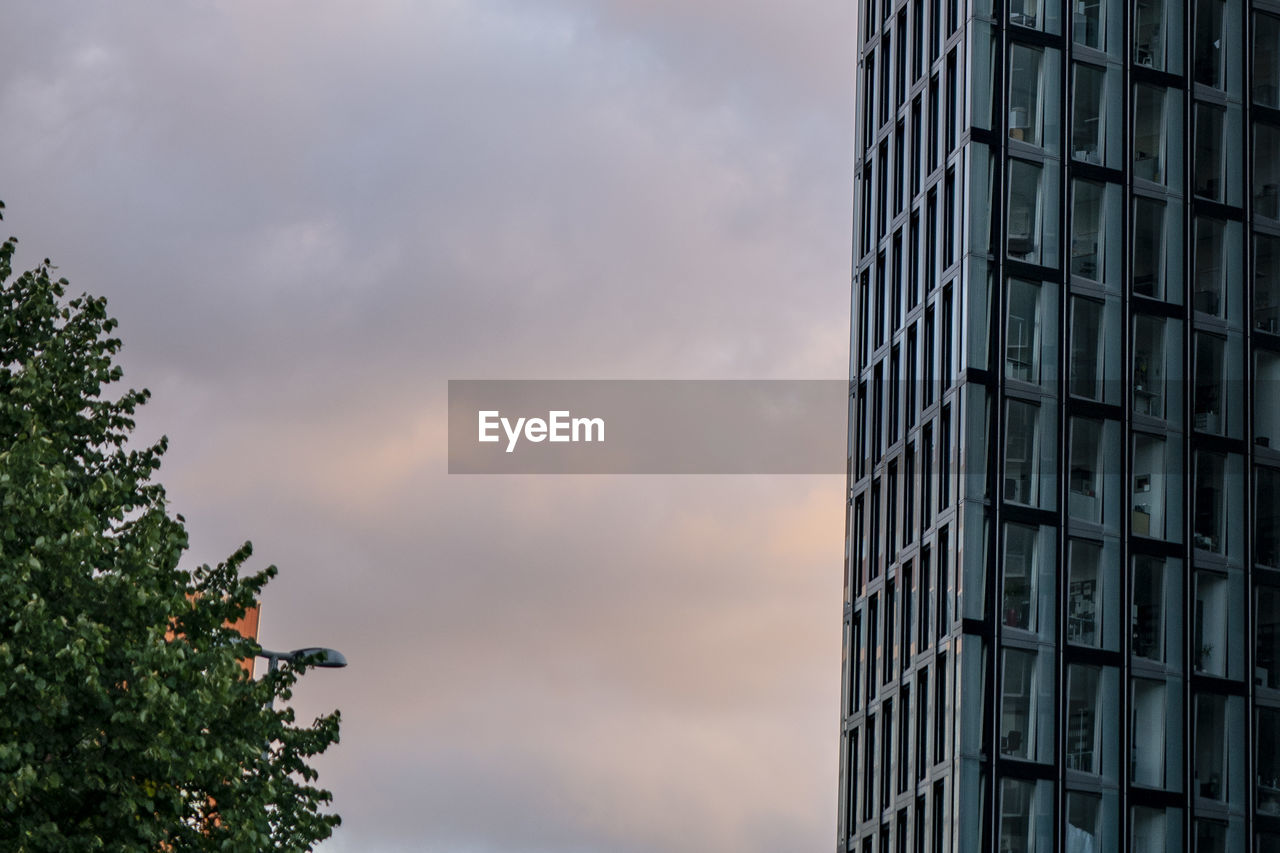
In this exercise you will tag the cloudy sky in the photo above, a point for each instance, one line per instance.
(309, 216)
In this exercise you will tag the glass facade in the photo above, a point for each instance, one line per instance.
(1062, 613)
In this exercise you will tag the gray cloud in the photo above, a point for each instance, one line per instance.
(308, 218)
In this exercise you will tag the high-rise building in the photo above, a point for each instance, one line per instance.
(1062, 604)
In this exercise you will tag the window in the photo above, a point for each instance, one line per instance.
(1017, 712)
(1026, 816)
(1147, 724)
(1210, 521)
(1152, 833)
(984, 58)
(874, 552)
(882, 205)
(1087, 113)
(1149, 34)
(1268, 763)
(949, 224)
(869, 770)
(909, 496)
(922, 723)
(902, 57)
(1211, 748)
(1266, 419)
(908, 614)
(1150, 610)
(1267, 518)
(891, 531)
(933, 123)
(1267, 659)
(863, 430)
(1148, 247)
(926, 599)
(939, 814)
(1086, 348)
(1266, 276)
(1016, 797)
(851, 804)
(1020, 571)
(895, 301)
(1022, 335)
(1148, 133)
(886, 60)
(1210, 270)
(1209, 163)
(1211, 836)
(915, 171)
(1266, 60)
(913, 267)
(1024, 210)
(912, 373)
(881, 315)
(1210, 382)
(944, 583)
(940, 709)
(944, 453)
(899, 180)
(1149, 484)
(864, 318)
(930, 346)
(1083, 719)
(953, 99)
(869, 101)
(1266, 174)
(1084, 834)
(1085, 489)
(1086, 230)
(873, 647)
(890, 616)
(856, 653)
(935, 28)
(1025, 13)
(926, 477)
(1208, 47)
(1090, 20)
(1084, 594)
(931, 243)
(1021, 477)
(1024, 93)
(857, 555)
(1149, 366)
(1209, 643)
(917, 48)
(886, 758)
(865, 177)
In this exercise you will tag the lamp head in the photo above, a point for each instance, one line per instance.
(328, 658)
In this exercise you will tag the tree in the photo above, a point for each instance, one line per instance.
(127, 722)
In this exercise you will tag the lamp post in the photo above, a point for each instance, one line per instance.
(328, 658)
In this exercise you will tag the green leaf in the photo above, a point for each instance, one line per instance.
(115, 734)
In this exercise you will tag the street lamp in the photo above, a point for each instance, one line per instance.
(327, 658)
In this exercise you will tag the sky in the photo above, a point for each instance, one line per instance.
(308, 217)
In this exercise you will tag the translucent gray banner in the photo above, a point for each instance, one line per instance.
(648, 426)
